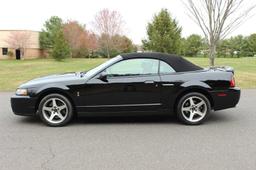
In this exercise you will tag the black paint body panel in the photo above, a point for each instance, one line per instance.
(129, 94)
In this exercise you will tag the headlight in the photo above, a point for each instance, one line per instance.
(22, 92)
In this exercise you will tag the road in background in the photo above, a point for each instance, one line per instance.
(226, 141)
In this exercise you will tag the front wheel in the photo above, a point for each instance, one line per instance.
(193, 108)
(55, 110)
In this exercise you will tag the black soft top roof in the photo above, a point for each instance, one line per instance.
(178, 63)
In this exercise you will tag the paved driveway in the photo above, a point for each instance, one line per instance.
(226, 141)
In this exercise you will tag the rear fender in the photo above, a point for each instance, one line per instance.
(194, 86)
(198, 84)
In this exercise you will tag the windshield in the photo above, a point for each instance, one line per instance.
(101, 67)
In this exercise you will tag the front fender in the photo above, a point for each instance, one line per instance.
(48, 87)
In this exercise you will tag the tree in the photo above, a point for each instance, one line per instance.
(217, 19)
(120, 44)
(238, 46)
(193, 45)
(52, 38)
(105, 45)
(77, 38)
(183, 46)
(19, 40)
(251, 40)
(108, 23)
(52, 27)
(164, 34)
(92, 42)
(60, 48)
(123, 44)
(223, 48)
(81, 41)
(75, 34)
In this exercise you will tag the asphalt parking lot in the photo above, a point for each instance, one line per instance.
(226, 141)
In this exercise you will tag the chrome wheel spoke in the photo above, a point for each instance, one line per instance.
(191, 101)
(52, 116)
(60, 116)
(199, 113)
(186, 109)
(49, 109)
(200, 104)
(62, 107)
(191, 116)
(54, 104)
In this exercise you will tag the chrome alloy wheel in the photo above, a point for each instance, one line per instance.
(194, 109)
(55, 110)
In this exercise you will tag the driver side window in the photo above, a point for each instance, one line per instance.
(133, 67)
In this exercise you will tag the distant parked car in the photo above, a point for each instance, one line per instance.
(135, 83)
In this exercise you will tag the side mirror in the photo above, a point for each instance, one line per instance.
(103, 76)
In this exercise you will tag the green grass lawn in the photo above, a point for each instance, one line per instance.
(13, 73)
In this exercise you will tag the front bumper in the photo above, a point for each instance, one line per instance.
(23, 105)
(224, 99)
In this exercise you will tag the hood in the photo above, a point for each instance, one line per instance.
(56, 78)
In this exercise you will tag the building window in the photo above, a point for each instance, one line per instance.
(4, 51)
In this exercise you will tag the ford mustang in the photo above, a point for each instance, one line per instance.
(135, 83)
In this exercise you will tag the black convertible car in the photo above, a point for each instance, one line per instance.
(135, 83)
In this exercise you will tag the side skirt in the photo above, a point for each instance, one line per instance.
(126, 113)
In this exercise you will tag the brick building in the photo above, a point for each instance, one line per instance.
(19, 44)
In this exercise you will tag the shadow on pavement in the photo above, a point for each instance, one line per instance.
(126, 119)
(214, 117)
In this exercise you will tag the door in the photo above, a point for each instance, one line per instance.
(17, 52)
(129, 85)
(170, 83)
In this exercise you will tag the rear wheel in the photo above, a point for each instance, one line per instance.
(193, 108)
(55, 110)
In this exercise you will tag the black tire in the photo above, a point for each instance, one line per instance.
(206, 108)
(68, 110)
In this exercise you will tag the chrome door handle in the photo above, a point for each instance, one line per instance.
(149, 82)
(167, 84)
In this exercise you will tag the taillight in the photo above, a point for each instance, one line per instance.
(232, 82)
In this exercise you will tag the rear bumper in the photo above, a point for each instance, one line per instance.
(224, 99)
(23, 105)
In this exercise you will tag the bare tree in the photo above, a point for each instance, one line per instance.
(92, 42)
(19, 40)
(217, 19)
(107, 24)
